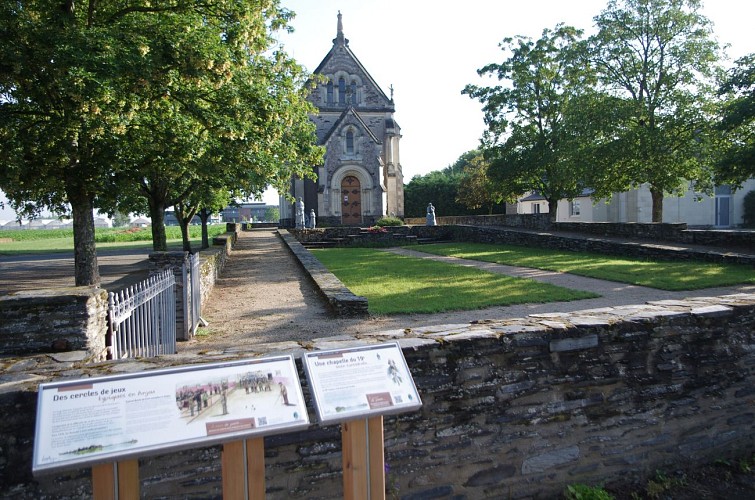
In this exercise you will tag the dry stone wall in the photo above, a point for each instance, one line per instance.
(56, 319)
(514, 408)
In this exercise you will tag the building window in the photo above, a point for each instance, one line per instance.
(575, 207)
(536, 208)
(341, 91)
(350, 142)
(353, 92)
(330, 92)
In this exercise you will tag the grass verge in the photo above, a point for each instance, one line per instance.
(396, 284)
(42, 241)
(660, 274)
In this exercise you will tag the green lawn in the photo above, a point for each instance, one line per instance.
(39, 241)
(664, 275)
(395, 284)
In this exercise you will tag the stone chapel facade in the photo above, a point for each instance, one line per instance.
(360, 180)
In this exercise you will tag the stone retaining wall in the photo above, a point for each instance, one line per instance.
(511, 408)
(670, 232)
(503, 235)
(340, 299)
(54, 320)
(541, 222)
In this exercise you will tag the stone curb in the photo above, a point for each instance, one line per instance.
(340, 299)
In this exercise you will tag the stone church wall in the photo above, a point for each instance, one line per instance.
(511, 408)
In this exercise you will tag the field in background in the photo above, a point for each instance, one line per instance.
(29, 241)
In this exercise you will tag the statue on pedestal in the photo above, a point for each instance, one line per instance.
(299, 214)
(312, 219)
(430, 219)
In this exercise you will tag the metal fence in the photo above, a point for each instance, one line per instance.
(192, 296)
(142, 318)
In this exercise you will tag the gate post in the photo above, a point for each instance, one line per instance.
(176, 262)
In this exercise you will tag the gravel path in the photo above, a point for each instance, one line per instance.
(264, 296)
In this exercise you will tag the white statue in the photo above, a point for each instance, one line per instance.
(299, 214)
(312, 219)
(430, 219)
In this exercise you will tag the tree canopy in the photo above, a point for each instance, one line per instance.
(655, 61)
(99, 100)
(528, 142)
(737, 124)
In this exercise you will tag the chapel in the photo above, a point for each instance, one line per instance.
(360, 180)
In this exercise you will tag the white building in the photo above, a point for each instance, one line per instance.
(725, 208)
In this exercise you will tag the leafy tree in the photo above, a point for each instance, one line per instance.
(272, 214)
(121, 219)
(737, 163)
(239, 122)
(528, 142)
(654, 59)
(439, 188)
(99, 97)
(477, 190)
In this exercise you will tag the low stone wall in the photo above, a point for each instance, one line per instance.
(54, 320)
(655, 232)
(356, 237)
(501, 235)
(539, 222)
(340, 299)
(670, 232)
(511, 408)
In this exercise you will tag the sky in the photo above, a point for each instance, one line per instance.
(430, 50)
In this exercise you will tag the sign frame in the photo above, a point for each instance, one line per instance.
(73, 415)
(374, 379)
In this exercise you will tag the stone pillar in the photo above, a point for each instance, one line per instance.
(177, 262)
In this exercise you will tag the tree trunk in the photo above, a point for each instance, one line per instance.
(87, 271)
(552, 207)
(204, 214)
(183, 223)
(157, 214)
(657, 211)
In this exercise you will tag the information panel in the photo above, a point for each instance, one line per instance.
(96, 420)
(360, 381)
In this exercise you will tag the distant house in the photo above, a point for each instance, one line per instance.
(140, 222)
(725, 208)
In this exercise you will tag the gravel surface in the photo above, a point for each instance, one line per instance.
(264, 296)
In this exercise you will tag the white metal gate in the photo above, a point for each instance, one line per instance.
(142, 318)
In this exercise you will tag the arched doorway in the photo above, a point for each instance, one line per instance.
(351, 201)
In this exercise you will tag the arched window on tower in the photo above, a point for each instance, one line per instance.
(341, 91)
(350, 142)
(353, 92)
(330, 92)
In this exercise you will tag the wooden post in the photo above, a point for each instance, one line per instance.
(116, 480)
(243, 473)
(363, 459)
(377, 457)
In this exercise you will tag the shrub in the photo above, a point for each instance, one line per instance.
(389, 221)
(584, 492)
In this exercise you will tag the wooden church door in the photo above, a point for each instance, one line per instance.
(351, 203)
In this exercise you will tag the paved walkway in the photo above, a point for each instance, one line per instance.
(264, 296)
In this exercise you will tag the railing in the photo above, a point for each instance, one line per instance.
(192, 296)
(142, 318)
